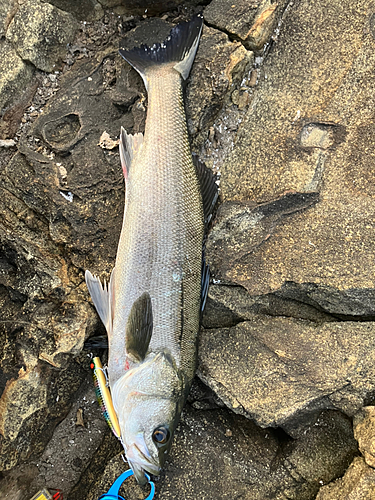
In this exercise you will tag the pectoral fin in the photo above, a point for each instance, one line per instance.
(102, 297)
(139, 327)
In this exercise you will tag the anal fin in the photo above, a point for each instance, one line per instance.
(102, 297)
(129, 146)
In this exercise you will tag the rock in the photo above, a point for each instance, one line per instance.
(300, 123)
(358, 483)
(304, 80)
(319, 256)
(229, 305)
(218, 70)
(15, 75)
(7, 11)
(145, 7)
(84, 10)
(43, 292)
(281, 371)
(40, 33)
(220, 455)
(7, 143)
(364, 432)
(252, 22)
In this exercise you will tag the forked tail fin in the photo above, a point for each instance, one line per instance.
(179, 47)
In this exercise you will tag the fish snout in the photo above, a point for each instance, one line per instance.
(141, 463)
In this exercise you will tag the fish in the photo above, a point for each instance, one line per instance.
(153, 303)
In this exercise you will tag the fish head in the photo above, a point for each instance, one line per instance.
(148, 400)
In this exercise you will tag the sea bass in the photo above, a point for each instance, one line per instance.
(151, 307)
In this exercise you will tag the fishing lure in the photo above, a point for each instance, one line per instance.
(104, 397)
(113, 492)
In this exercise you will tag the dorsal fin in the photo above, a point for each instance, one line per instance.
(129, 146)
(139, 328)
(208, 187)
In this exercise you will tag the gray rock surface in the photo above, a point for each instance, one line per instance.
(84, 10)
(15, 75)
(220, 455)
(358, 483)
(308, 128)
(7, 10)
(279, 370)
(40, 33)
(251, 22)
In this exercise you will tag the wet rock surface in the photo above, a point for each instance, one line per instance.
(280, 102)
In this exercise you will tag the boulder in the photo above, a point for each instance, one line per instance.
(301, 136)
(15, 75)
(281, 371)
(358, 483)
(40, 32)
(364, 433)
(7, 11)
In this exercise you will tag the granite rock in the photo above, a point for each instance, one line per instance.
(40, 32)
(84, 10)
(303, 133)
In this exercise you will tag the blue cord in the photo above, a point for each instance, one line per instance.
(113, 492)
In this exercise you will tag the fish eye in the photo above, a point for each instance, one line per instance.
(161, 435)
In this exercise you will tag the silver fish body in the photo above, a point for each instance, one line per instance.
(151, 308)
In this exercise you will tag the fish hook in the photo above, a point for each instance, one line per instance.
(113, 492)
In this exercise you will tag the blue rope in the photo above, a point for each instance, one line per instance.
(113, 492)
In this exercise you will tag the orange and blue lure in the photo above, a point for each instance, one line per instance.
(104, 397)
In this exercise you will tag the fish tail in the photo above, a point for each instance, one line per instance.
(179, 47)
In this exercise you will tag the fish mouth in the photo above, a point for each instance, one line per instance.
(140, 463)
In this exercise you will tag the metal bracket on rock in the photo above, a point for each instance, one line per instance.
(113, 492)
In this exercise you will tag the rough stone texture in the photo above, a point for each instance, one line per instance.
(220, 455)
(40, 33)
(218, 69)
(309, 128)
(84, 10)
(278, 370)
(228, 305)
(252, 22)
(67, 454)
(364, 433)
(7, 10)
(145, 7)
(15, 75)
(358, 483)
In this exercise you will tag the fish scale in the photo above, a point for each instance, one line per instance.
(172, 214)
